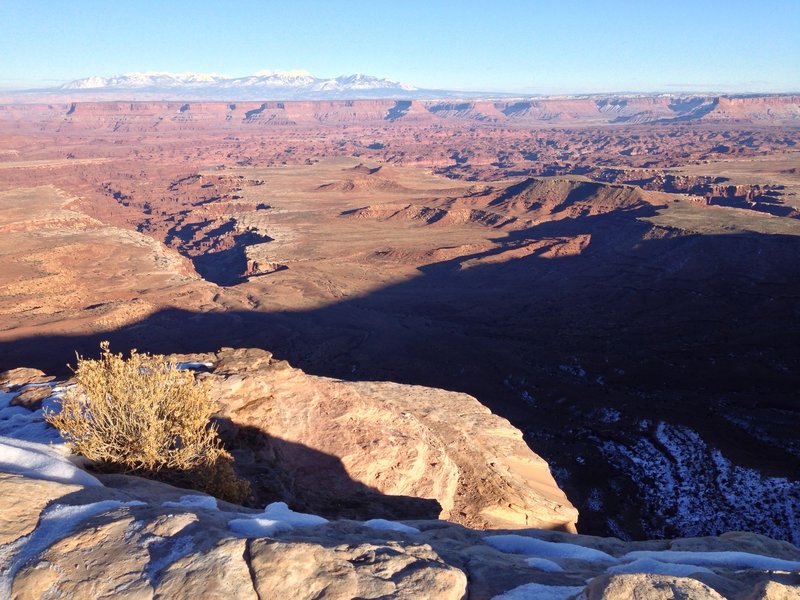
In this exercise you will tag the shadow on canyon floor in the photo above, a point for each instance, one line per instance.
(669, 326)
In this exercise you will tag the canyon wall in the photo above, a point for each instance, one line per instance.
(234, 116)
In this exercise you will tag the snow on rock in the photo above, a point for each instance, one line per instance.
(161, 549)
(519, 544)
(194, 501)
(194, 366)
(171, 551)
(694, 490)
(719, 559)
(543, 564)
(40, 461)
(30, 446)
(23, 424)
(57, 522)
(650, 565)
(276, 517)
(390, 526)
(538, 591)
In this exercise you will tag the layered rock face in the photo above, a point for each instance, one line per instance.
(361, 449)
(240, 116)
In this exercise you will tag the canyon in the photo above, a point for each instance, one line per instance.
(617, 277)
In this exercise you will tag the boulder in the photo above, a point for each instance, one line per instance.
(646, 586)
(31, 397)
(97, 560)
(774, 590)
(369, 449)
(217, 573)
(307, 570)
(14, 378)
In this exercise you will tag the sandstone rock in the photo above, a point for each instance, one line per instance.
(149, 541)
(301, 571)
(99, 560)
(369, 449)
(23, 499)
(260, 267)
(167, 526)
(31, 397)
(229, 361)
(20, 376)
(500, 481)
(36, 582)
(151, 550)
(307, 570)
(645, 586)
(219, 573)
(773, 590)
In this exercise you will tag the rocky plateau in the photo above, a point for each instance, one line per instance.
(421, 500)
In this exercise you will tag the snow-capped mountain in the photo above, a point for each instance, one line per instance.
(264, 85)
(142, 80)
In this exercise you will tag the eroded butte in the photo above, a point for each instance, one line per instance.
(620, 280)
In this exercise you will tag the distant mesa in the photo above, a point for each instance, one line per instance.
(193, 106)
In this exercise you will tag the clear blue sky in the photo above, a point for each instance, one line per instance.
(534, 46)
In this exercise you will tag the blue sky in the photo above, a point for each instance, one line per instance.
(539, 47)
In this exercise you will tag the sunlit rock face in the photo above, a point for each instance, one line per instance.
(362, 449)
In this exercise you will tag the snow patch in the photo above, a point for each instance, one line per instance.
(538, 591)
(40, 461)
(390, 526)
(609, 415)
(194, 501)
(574, 370)
(173, 550)
(725, 559)
(295, 80)
(276, 517)
(594, 501)
(695, 491)
(31, 447)
(542, 564)
(23, 424)
(657, 567)
(518, 544)
(194, 366)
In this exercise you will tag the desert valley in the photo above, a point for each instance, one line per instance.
(617, 276)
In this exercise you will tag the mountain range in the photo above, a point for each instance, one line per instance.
(263, 85)
(291, 85)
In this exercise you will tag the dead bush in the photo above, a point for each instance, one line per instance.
(143, 415)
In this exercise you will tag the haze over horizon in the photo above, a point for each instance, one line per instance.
(517, 47)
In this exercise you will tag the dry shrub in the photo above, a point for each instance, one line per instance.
(143, 415)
